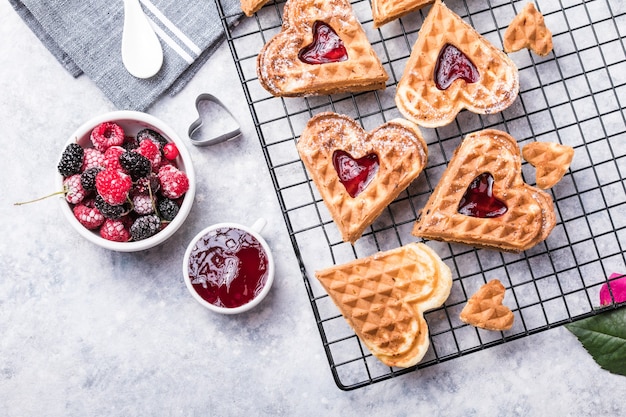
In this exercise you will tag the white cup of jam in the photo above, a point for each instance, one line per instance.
(228, 267)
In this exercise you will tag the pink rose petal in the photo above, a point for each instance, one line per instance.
(617, 284)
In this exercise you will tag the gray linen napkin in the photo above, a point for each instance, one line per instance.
(86, 37)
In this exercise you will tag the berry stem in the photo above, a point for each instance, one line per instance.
(21, 203)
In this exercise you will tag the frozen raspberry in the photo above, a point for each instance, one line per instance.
(150, 150)
(93, 158)
(89, 202)
(112, 158)
(174, 183)
(153, 135)
(145, 226)
(113, 186)
(135, 164)
(115, 230)
(170, 151)
(90, 217)
(168, 209)
(71, 160)
(74, 191)
(88, 178)
(107, 134)
(143, 204)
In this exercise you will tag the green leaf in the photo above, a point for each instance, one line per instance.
(604, 337)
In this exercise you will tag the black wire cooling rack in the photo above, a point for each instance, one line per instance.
(575, 96)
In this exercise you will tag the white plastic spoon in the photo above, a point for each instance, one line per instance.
(142, 54)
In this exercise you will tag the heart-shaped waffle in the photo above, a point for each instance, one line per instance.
(383, 298)
(484, 309)
(418, 95)
(528, 30)
(551, 161)
(330, 139)
(384, 11)
(448, 215)
(282, 72)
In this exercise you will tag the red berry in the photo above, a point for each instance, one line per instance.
(174, 183)
(113, 186)
(112, 158)
(90, 217)
(93, 158)
(107, 134)
(143, 204)
(150, 150)
(115, 230)
(170, 151)
(74, 191)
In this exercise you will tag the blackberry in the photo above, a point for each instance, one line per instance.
(88, 178)
(71, 160)
(109, 211)
(147, 185)
(136, 164)
(167, 209)
(153, 135)
(130, 143)
(144, 227)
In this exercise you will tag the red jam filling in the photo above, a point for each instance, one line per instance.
(453, 64)
(228, 267)
(479, 201)
(355, 174)
(327, 46)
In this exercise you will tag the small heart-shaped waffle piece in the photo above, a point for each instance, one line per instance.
(417, 96)
(383, 298)
(384, 11)
(282, 73)
(551, 161)
(250, 7)
(484, 309)
(529, 217)
(528, 30)
(401, 153)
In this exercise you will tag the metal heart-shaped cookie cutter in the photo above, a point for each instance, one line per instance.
(194, 128)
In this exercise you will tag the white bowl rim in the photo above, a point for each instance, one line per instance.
(185, 207)
(256, 300)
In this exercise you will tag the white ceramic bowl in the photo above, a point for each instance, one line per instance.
(132, 122)
(254, 230)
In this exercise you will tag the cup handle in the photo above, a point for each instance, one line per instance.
(259, 225)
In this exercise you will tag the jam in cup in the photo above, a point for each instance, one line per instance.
(228, 267)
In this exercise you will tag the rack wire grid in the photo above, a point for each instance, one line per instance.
(575, 96)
